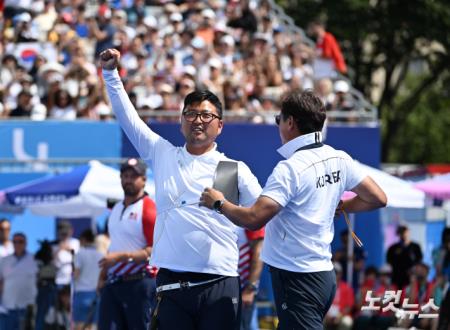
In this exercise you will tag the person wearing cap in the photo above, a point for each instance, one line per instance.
(127, 281)
(298, 205)
(195, 248)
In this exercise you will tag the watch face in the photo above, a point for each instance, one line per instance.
(217, 206)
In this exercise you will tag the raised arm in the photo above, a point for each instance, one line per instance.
(140, 135)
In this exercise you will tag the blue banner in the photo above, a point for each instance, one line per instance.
(28, 140)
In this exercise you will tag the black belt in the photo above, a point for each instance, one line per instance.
(128, 278)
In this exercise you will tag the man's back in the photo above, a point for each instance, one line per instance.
(309, 186)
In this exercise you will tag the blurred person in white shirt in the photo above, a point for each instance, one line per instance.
(86, 275)
(18, 273)
(64, 252)
(6, 246)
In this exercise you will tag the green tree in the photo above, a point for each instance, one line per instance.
(394, 37)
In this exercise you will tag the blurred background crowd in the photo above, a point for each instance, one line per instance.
(38, 293)
(237, 49)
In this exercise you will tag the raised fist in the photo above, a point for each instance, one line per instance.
(109, 59)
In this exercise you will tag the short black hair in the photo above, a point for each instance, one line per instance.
(20, 234)
(199, 96)
(401, 229)
(306, 108)
(88, 236)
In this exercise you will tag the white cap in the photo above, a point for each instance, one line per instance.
(215, 63)
(208, 13)
(198, 43)
(121, 13)
(166, 88)
(39, 112)
(220, 26)
(176, 17)
(261, 36)
(24, 17)
(228, 40)
(190, 70)
(341, 86)
(103, 109)
(150, 21)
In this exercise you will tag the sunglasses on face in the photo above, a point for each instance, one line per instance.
(277, 119)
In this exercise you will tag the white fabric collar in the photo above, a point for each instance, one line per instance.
(290, 147)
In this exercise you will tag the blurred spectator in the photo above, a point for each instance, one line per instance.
(6, 246)
(324, 88)
(47, 291)
(358, 258)
(63, 106)
(241, 16)
(86, 275)
(103, 31)
(58, 316)
(441, 255)
(250, 267)
(44, 21)
(339, 314)
(402, 256)
(17, 283)
(63, 251)
(329, 58)
(419, 292)
(343, 100)
(23, 30)
(378, 283)
(25, 107)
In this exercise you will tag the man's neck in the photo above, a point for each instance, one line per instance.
(128, 200)
(198, 150)
(19, 255)
(4, 242)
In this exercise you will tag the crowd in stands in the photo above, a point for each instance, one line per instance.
(237, 49)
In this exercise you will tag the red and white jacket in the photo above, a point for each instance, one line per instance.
(245, 252)
(131, 229)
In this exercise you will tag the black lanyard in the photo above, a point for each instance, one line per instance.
(316, 144)
(310, 146)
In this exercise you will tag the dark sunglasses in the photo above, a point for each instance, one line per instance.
(277, 119)
(21, 241)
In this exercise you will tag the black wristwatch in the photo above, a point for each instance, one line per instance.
(253, 286)
(217, 206)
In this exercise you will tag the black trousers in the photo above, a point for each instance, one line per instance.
(302, 299)
(214, 305)
(127, 305)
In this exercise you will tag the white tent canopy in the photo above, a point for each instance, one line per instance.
(400, 193)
